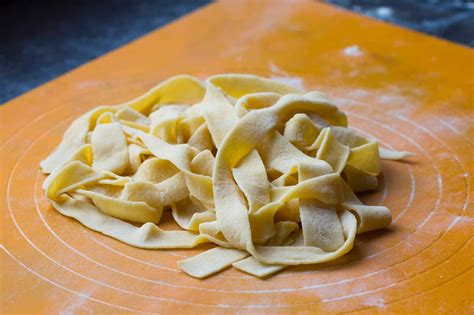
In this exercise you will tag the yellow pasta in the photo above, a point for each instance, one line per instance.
(264, 171)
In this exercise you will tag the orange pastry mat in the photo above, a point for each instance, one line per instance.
(411, 91)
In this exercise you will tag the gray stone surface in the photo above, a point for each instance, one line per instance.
(43, 39)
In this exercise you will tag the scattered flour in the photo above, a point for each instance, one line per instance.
(90, 84)
(358, 93)
(394, 99)
(282, 76)
(389, 99)
(353, 51)
(291, 81)
(275, 69)
(73, 308)
(374, 301)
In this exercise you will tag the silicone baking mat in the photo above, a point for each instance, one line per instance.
(411, 91)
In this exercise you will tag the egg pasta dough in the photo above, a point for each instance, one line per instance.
(266, 172)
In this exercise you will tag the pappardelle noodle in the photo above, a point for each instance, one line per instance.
(265, 171)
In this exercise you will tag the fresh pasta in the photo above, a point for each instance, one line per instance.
(265, 171)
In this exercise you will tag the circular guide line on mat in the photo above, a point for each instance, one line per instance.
(252, 291)
(452, 224)
(164, 283)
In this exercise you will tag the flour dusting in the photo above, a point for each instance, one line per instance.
(275, 69)
(291, 81)
(357, 93)
(353, 51)
(374, 301)
(90, 84)
(282, 76)
(394, 99)
(74, 307)
(386, 99)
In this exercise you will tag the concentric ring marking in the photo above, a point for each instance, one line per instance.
(465, 203)
(328, 284)
(164, 283)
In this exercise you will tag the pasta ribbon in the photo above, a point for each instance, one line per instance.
(264, 171)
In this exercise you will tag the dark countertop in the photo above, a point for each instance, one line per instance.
(44, 39)
(449, 19)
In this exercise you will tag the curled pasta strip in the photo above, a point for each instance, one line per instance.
(266, 172)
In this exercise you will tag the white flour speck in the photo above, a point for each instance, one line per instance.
(291, 81)
(74, 307)
(353, 51)
(387, 99)
(375, 301)
(282, 76)
(275, 69)
(358, 93)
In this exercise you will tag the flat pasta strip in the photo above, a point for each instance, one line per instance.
(211, 261)
(109, 147)
(266, 172)
(147, 236)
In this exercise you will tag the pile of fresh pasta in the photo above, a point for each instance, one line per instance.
(263, 170)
